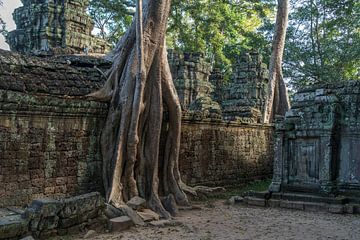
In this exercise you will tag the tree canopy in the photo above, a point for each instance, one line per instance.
(112, 17)
(220, 29)
(323, 42)
(321, 45)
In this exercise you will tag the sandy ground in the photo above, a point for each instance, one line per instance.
(218, 221)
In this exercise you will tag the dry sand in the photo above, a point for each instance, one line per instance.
(219, 221)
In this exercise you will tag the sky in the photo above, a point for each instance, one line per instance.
(6, 13)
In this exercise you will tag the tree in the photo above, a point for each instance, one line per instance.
(111, 17)
(2, 22)
(277, 102)
(220, 29)
(138, 88)
(323, 42)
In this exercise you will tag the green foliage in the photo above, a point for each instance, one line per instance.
(112, 17)
(323, 42)
(221, 29)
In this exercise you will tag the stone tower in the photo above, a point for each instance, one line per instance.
(244, 97)
(54, 25)
(191, 73)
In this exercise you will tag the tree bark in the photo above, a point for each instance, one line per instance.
(277, 102)
(139, 85)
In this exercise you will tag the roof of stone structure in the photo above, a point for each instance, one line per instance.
(61, 75)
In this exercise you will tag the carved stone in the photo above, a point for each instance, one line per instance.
(317, 144)
(54, 26)
(244, 98)
(191, 73)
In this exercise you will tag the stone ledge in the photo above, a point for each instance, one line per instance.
(49, 217)
(304, 204)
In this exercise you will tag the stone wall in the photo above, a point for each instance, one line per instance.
(225, 154)
(49, 134)
(49, 142)
(49, 147)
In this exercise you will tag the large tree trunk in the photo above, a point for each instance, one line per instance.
(277, 102)
(139, 85)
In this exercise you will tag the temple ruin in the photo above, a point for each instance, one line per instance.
(46, 26)
(50, 132)
(316, 164)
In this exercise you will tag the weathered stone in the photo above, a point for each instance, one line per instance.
(120, 223)
(316, 143)
(132, 215)
(147, 215)
(60, 27)
(56, 133)
(137, 203)
(90, 234)
(234, 200)
(80, 205)
(244, 98)
(191, 73)
(339, 209)
(28, 238)
(292, 205)
(13, 226)
(113, 212)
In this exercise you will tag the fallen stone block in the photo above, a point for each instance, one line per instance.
(147, 215)
(234, 200)
(90, 234)
(137, 203)
(120, 223)
(79, 205)
(132, 214)
(13, 227)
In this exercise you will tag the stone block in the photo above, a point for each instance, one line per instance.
(120, 223)
(314, 206)
(13, 227)
(292, 205)
(255, 201)
(44, 208)
(147, 215)
(137, 203)
(79, 205)
(336, 208)
(273, 203)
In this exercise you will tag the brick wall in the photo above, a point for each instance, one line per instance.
(48, 147)
(225, 154)
(49, 143)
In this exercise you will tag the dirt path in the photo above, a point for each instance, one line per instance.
(218, 221)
